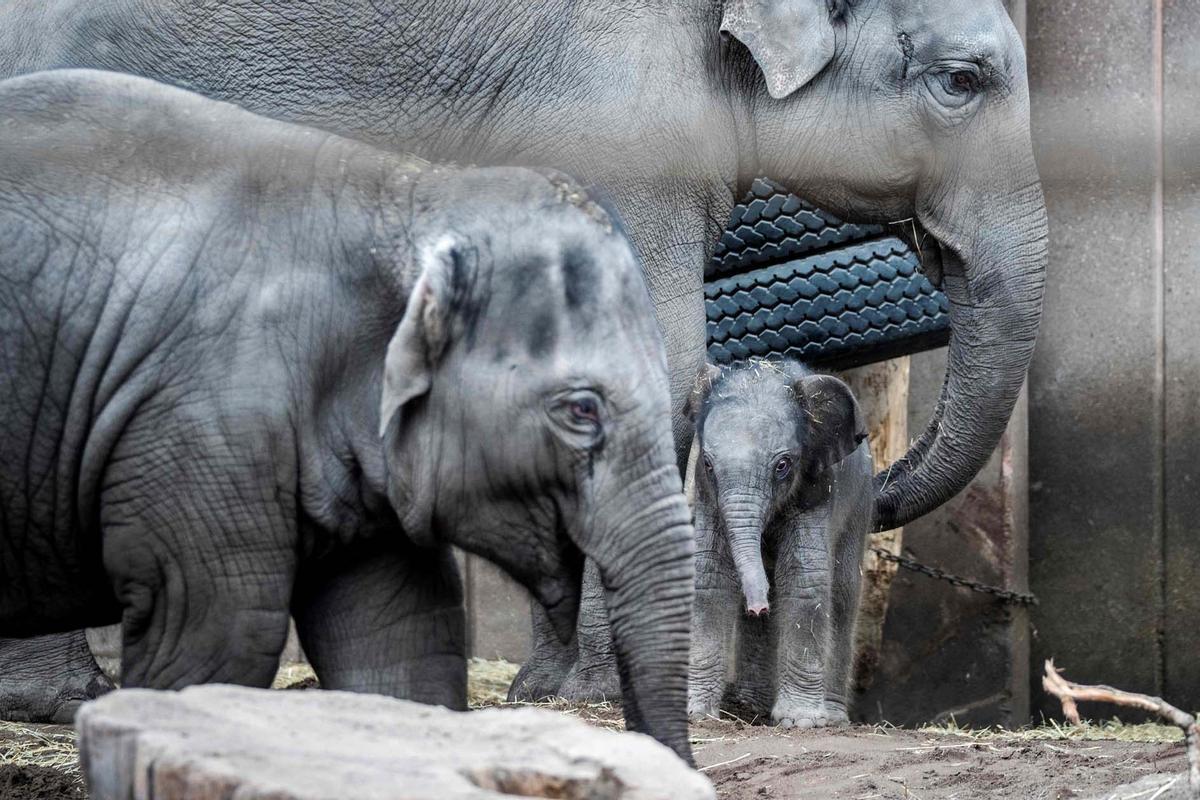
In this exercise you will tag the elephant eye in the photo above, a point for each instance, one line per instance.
(783, 467)
(585, 410)
(579, 415)
(964, 82)
(955, 86)
(708, 465)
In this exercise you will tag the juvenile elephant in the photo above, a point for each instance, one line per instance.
(878, 110)
(251, 369)
(783, 506)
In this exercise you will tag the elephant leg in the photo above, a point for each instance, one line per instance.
(714, 620)
(846, 591)
(47, 678)
(803, 603)
(386, 617)
(204, 594)
(753, 690)
(542, 675)
(593, 677)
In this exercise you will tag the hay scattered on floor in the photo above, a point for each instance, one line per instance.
(488, 681)
(1053, 731)
(296, 675)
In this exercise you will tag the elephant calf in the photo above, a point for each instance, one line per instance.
(783, 505)
(252, 369)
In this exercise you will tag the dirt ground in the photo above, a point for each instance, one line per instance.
(754, 762)
(37, 762)
(868, 763)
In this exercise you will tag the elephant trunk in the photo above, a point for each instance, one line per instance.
(993, 271)
(745, 516)
(647, 570)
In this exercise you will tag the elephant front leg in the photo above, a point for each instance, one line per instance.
(550, 660)
(801, 611)
(386, 617)
(714, 617)
(47, 678)
(202, 603)
(593, 676)
(846, 593)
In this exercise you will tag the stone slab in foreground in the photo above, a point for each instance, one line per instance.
(226, 741)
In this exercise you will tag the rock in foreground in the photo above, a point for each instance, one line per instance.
(226, 741)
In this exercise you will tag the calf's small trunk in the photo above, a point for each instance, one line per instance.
(744, 517)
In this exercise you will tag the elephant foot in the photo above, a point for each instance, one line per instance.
(837, 714)
(47, 678)
(801, 714)
(592, 684)
(542, 676)
(701, 709)
(537, 681)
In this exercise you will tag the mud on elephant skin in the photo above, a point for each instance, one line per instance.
(878, 110)
(783, 507)
(254, 369)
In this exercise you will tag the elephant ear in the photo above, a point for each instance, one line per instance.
(835, 422)
(421, 336)
(704, 382)
(792, 40)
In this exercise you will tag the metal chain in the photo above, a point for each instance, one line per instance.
(1004, 595)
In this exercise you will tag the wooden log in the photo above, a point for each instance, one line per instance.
(253, 744)
(882, 392)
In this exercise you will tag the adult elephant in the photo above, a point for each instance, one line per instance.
(879, 110)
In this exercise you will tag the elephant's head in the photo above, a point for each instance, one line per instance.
(526, 418)
(915, 112)
(766, 431)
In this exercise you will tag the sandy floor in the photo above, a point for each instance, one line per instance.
(868, 763)
(751, 762)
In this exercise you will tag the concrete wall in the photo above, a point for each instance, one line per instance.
(1113, 411)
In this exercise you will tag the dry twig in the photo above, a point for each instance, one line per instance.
(1068, 693)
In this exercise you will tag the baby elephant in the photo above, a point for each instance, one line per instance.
(783, 506)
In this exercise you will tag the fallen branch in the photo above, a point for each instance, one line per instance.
(1069, 693)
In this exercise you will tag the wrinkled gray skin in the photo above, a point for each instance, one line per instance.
(783, 506)
(879, 110)
(206, 316)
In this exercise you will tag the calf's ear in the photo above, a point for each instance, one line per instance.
(835, 422)
(700, 389)
(421, 336)
(792, 40)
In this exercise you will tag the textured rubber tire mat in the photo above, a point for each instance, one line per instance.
(788, 279)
